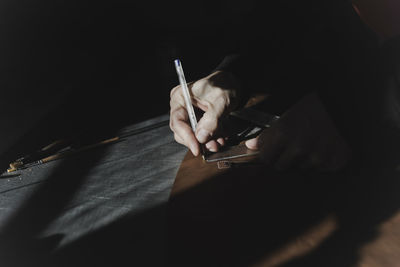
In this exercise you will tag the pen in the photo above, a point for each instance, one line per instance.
(186, 94)
(188, 100)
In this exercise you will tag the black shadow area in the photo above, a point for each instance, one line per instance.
(19, 242)
(243, 216)
(238, 220)
(235, 219)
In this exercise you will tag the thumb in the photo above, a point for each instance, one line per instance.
(253, 143)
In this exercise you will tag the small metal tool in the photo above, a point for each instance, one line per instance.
(258, 121)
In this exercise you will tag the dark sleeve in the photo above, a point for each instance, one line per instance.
(390, 106)
(323, 48)
(381, 120)
(290, 49)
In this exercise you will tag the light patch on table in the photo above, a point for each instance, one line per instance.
(384, 251)
(302, 245)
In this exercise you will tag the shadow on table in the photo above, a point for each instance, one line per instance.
(19, 244)
(232, 220)
(239, 219)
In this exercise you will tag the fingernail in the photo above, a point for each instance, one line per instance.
(209, 147)
(193, 149)
(253, 144)
(202, 135)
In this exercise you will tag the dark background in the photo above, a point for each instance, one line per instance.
(73, 67)
(80, 68)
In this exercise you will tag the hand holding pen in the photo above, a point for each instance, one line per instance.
(216, 95)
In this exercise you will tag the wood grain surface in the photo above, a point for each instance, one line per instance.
(252, 215)
(249, 215)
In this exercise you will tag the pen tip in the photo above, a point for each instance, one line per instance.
(177, 62)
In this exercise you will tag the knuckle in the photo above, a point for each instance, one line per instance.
(174, 91)
(204, 86)
(219, 93)
(221, 98)
(200, 84)
(198, 88)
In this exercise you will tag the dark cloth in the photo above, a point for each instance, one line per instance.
(291, 49)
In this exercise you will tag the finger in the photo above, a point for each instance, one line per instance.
(253, 143)
(221, 141)
(179, 125)
(215, 106)
(212, 146)
(191, 144)
(207, 126)
(177, 101)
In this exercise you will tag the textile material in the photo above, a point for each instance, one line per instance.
(101, 207)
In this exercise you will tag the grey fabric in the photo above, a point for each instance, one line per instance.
(102, 207)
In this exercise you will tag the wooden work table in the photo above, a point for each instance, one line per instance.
(253, 216)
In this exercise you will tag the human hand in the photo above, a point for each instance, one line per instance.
(305, 138)
(216, 95)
